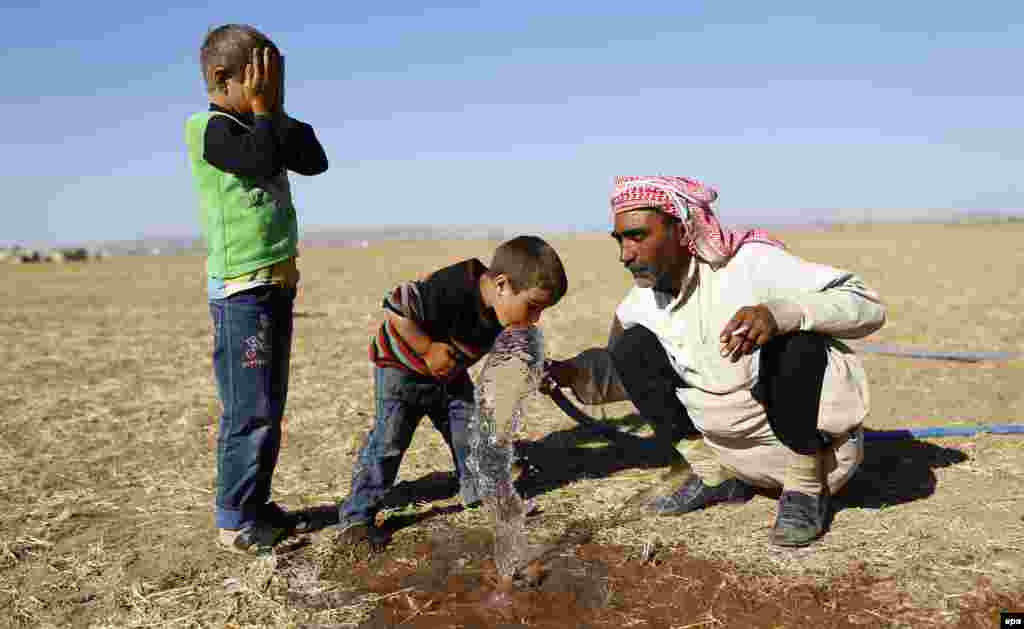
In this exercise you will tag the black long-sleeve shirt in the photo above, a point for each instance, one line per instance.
(270, 144)
(447, 307)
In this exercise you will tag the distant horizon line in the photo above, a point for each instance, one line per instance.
(316, 231)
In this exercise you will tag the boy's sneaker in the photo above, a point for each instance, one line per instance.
(694, 495)
(257, 539)
(356, 533)
(802, 518)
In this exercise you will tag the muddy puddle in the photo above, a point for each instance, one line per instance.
(449, 579)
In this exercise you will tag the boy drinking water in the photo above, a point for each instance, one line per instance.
(240, 151)
(433, 331)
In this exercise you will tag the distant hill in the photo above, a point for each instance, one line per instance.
(339, 237)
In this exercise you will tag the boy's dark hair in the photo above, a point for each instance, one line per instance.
(529, 262)
(231, 46)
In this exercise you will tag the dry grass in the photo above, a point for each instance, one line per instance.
(106, 472)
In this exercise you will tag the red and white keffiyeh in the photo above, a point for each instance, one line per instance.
(690, 201)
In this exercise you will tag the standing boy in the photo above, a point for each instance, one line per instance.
(239, 151)
(433, 331)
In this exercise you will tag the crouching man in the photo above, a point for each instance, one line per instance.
(728, 332)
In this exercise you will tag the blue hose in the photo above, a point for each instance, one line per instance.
(610, 432)
(947, 431)
(899, 434)
(912, 352)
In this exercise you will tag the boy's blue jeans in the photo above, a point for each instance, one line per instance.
(251, 355)
(402, 399)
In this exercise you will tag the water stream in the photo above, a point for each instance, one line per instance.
(511, 372)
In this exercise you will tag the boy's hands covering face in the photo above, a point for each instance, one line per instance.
(262, 82)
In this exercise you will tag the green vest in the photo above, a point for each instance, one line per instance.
(248, 223)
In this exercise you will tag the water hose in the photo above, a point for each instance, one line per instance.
(911, 352)
(608, 432)
(943, 431)
(612, 434)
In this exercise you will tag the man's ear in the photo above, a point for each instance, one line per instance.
(684, 236)
(501, 283)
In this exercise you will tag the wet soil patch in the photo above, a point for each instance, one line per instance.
(447, 580)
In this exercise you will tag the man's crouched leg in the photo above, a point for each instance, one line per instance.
(804, 508)
(802, 518)
(790, 381)
(650, 380)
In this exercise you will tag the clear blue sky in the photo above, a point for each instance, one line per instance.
(513, 113)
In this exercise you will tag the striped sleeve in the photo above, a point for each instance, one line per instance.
(389, 349)
(405, 300)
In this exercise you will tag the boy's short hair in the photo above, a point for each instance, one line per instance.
(529, 262)
(231, 46)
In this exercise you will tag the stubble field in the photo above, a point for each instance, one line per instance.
(107, 471)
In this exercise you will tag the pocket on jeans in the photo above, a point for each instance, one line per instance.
(217, 319)
(255, 296)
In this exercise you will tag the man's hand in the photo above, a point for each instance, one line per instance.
(751, 327)
(557, 373)
(262, 82)
(440, 359)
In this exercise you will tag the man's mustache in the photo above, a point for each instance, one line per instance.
(641, 269)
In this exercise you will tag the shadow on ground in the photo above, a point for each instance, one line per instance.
(893, 472)
(317, 518)
(557, 460)
(565, 456)
(896, 472)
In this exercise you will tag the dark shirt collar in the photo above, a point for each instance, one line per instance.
(245, 118)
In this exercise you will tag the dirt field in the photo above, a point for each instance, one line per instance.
(107, 469)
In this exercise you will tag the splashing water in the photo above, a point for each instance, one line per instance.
(512, 371)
